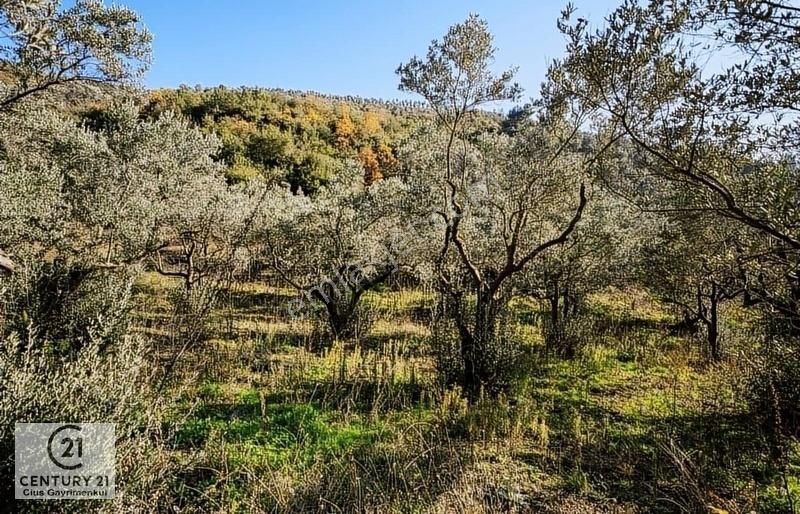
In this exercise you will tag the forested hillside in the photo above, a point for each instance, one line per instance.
(294, 136)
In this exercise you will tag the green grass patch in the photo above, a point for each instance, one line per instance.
(257, 433)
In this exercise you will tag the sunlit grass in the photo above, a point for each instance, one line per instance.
(592, 427)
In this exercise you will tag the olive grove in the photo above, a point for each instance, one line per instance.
(372, 303)
(701, 128)
(499, 199)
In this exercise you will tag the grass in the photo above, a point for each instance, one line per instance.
(637, 422)
(258, 435)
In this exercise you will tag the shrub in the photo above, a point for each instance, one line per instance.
(67, 306)
(497, 355)
(569, 336)
(98, 383)
(773, 387)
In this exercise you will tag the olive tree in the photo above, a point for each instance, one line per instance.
(335, 246)
(600, 253)
(88, 206)
(120, 192)
(125, 192)
(32, 187)
(45, 46)
(693, 266)
(721, 137)
(496, 198)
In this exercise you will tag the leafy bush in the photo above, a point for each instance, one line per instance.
(98, 383)
(497, 358)
(773, 387)
(67, 306)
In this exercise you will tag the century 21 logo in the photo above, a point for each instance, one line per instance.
(70, 451)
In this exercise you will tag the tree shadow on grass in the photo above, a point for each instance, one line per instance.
(346, 466)
(605, 324)
(252, 302)
(371, 396)
(404, 346)
(646, 450)
(671, 463)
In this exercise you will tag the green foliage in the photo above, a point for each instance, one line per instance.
(334, 246)
(696, 132)
(97, 383)
(773, 392)
(274, 436)
(347, 200)
(47, 46)
(67, 307)
(497, 200)
(292, 137)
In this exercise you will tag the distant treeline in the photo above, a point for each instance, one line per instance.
(293, 136)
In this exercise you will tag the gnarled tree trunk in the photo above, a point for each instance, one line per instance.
(479, 372)
(341, 298)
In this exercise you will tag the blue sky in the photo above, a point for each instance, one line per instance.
(337, 47)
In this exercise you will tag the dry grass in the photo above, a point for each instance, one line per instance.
(265, 425)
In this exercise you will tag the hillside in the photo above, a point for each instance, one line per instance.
(295, 136)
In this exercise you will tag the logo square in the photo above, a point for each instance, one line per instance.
(64, 461)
